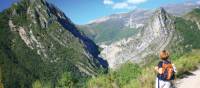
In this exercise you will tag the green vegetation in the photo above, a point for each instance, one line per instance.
(1, 84)
(37, 84)
(101, 33)
(111, 35)
(196, 12)
(193, 15)
(189, 31)
(121, 77)
(188, 62)
(65, 81)
(134, 76)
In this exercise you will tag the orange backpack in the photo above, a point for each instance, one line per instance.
(168, 71)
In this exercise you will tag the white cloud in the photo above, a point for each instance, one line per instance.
(108, 2)
(136, 1)
(123, 5)
(120, 5)
(126, 4)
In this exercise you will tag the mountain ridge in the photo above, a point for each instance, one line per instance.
(135, 46)
(39, 44)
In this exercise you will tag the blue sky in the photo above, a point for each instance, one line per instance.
(6, 3)
(83, 11)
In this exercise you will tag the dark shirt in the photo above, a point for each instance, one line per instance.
(160, 66)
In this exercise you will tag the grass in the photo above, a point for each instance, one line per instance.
(187, 63)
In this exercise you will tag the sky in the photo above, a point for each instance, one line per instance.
(6, 3)
(83, 11)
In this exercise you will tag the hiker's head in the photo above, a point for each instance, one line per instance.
(164, 55)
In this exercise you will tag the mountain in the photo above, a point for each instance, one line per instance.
(115, 27)
(40, 46)
(109, 29)
(194, 16)
(162, 31)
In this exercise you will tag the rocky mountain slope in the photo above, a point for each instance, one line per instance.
(128, 24)
(194, 16)
(163, 31)
(39, 45)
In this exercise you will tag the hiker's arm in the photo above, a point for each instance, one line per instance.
(159, 70)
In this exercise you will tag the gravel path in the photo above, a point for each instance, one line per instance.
(191, 81)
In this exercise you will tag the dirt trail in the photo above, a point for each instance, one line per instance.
(191, 81)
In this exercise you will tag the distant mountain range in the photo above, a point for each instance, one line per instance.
(115, 27)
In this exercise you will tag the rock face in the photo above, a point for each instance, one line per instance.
(38, 42)
(155, 36)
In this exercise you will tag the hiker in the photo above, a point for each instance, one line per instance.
(165, 71)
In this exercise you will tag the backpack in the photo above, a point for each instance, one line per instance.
(168, 71)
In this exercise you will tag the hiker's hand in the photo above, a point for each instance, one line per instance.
(174, 68)
(156, 68)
